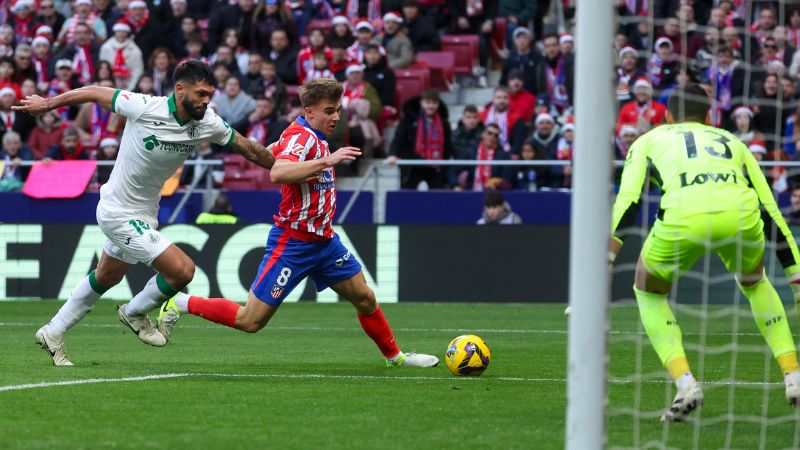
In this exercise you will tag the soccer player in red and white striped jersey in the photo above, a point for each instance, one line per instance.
(302, 243)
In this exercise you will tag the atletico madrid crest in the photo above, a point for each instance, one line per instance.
(277, 291)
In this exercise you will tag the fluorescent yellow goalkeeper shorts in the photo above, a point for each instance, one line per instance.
(672, 247)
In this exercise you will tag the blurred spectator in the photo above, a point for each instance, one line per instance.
(564, 152)
(239, 54)
(663, 67)
(499, 113)
(765, 25)
(555, 74)
(225, 55)
(567, 43)
(273, 87)
(270, 15)
(771, 111)
(520, 102)
(341, 33)
(221, 212)
(238, 15)
(148, 34)
(235, 105)
(421, 30)
(187, 41)
(379, 75)
(496, 211)
(110, 15)
(399, 50)
(252, 82)
(41, 62)
(93, 124)
(109, 148)
(423, 133)
(12, 154)
(21, 122)
(465, 140)
(485, 176)
(50, 17)
(265, 125)
(545, 143)
(682, 77)
(284, 56)
(64, 81)
(365, 35)
(370, 10)
(47, 132)
(124, 56)
(758, 150)
(792, 213)
(316, 44)
(24, 20)
(523, 56)
(68, 149)
(104, 72)
(194, 50)
(518, 13)
(160, 66)
(7, 70)
(622, 143)
(785, 50)
(362, 108)
(475, 17)
(643, 112)
(23, 60)
(627, 73)
(28, 87)
(743, 126)
(729, 80)
(6, 40)
(82, 52)
(730, 39)
(340, 61)
(96, 28)
(145, 85)
(527, 178)
(221, 74)
(706, 53)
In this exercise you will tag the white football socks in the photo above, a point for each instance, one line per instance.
(80, 302)
(147, 300)
(685, 382)
(182, 302)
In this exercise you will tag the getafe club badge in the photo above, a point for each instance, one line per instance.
(192, 131)
(277, 291)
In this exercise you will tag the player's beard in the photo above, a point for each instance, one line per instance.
(196, 112)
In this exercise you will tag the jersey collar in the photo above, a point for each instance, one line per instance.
(302, 121)
(173, 109)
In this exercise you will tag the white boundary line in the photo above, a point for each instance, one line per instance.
(423, 330)
(319, 376)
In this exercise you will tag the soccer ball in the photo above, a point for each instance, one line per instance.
(467, 355)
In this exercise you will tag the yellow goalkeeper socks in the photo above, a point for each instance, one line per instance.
(771, 321)
(663, 331)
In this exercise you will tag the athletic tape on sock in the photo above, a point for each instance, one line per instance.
(164, 287)
(95, 285)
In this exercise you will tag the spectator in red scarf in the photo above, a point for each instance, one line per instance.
(83, 15)
(483, 176)
(69, 149)
(124, 56)
(498, 112)
(555, 74)
(423, 133)
(520, 101)
(624, 140)
(475, 17)
(643, 112)
(265, 126)
(9, 120)
(368, 9)
(41, 62)
(24, 20)
(82, 52)
(47, 132)
(305, 63)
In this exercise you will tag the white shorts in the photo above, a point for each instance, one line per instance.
(132, 237)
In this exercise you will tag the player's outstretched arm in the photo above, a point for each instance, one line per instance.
(253, 151)
(287, 172)
(626, 206)
(35, 105)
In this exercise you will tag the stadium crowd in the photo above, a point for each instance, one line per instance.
(261, 51)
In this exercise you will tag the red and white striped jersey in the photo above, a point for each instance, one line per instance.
(306, 207)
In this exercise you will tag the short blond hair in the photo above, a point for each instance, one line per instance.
(320, 89)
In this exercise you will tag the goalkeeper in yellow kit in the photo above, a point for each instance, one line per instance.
(713, 196)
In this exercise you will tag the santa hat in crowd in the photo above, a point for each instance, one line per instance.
(663, 41)
(45, 31)
(758, 146)
(84, 2)
(354, 68)
(566, 37)
(364, 23)
(569, 125)
(625, 50)
(543, 117)
(340, 20)
(40, 40)
(8, 90)
(121, 26)
(643, 82)
(393, 16)
(628, 129)
(137, 4)
(742, 110)
(108, 142)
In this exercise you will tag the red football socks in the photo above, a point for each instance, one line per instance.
(219, 310)
(377, 328)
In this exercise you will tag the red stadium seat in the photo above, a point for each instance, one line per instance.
(411, 81)
(441, 67)
(465, 48)
(234, 164)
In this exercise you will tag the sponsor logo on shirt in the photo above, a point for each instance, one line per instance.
(151, 143)
(703, 178)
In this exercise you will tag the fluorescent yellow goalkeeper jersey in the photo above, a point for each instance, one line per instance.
(700, 170)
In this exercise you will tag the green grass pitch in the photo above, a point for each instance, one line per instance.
(312, 379)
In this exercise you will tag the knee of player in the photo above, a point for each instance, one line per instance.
(108, 279)
(250, 326)
(185, 274)
(366, 301)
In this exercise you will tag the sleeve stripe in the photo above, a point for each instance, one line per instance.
(114, 101)
(233, 137)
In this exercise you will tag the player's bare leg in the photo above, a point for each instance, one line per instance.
(175, 271)
(249, 318)
(770, 318)
(357, 292)
(665, 334)
(109, 273)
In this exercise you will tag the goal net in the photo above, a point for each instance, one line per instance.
(745, 53)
